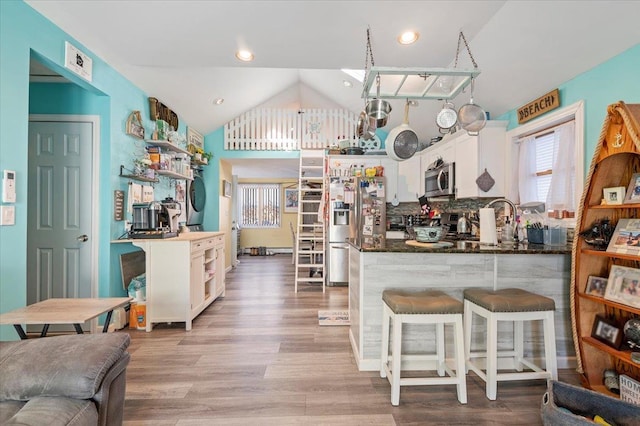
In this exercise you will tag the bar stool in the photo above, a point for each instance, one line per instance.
(422, 307)
(516, 305)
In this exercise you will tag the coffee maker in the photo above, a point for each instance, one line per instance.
(155, 219)
(172, 210)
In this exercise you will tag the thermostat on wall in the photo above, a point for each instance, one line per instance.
(8, 186)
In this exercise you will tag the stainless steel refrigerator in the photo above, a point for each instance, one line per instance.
(340, 195)
(368, 225)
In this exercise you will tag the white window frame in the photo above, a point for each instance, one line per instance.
(574, 111)
(279, 200)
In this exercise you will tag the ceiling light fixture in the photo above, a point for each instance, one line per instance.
(218, 101)
(244, 55)
(408, 37)
(347, 83)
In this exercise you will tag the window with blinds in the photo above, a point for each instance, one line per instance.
(259, 205)
(544, 163)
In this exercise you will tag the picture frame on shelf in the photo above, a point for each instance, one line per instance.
(614, 195)
(623, 286)
(596, 286)
(626, 237)
(290, 200)
(606, 331)
(633, 191)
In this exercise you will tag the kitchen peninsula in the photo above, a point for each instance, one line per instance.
(544, 270)
(184, 275)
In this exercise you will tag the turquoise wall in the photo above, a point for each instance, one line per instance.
(617, 79)
(25, 33)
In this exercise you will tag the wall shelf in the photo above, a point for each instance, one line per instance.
(140, 178)
(168, 146)
(173, 175)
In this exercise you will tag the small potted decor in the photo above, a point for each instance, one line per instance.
(206, 156)
(140, 166)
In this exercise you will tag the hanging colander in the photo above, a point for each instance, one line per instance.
(402, 141)
(472, 117)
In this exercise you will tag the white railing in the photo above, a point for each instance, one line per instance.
(289, 130)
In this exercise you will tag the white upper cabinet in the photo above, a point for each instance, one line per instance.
(475, 154)
(472, 155)
(410, 179)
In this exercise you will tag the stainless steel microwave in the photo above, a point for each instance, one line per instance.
(440, 181)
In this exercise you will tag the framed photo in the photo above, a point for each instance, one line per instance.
(613, 195)
(290, 200)
(606, 331)
(633, 191)
(626, 237)
(180, 192)
(623, 286)
(596, 286)
(226, 188)
(134, 125)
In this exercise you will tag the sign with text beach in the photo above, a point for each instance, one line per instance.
(543, 104)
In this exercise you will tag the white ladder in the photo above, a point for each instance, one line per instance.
(310, 259)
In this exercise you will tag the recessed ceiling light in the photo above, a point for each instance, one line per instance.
(347, 83)
(408, 37)
(218, 101)
(244, 55)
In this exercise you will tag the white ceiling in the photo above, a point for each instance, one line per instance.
(182, 52)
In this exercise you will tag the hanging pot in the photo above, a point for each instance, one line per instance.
(446, 118)
(472, 117)
(402, 141)
(364, 130)
(378, 109)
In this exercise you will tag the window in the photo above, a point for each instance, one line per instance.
(259, 205)
(547, 168)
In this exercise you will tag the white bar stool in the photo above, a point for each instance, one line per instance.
(422, 307)
(510, 304)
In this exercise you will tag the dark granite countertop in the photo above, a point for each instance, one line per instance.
(400, 246)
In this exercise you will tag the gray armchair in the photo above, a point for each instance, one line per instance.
(64, 380)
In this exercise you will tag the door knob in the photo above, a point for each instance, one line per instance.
(83, 238)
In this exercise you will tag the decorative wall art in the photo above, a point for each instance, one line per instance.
(290, 200)
(134, 125)
(226, 188)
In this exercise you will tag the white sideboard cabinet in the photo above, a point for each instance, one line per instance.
(184, 275)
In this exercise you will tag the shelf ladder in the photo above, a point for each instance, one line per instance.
(310, 259)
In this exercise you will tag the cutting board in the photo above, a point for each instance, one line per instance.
(439, 244)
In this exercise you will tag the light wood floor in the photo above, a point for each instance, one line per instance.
(259, 357)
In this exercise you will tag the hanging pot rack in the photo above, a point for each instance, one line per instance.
(418, 83)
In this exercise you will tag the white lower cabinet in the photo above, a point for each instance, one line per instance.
(184, 276)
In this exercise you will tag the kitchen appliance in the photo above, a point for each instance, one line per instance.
(172, 210)
(340, 196)
(368, 213)
(154, 220)
(397, 222)
(196, 199)
(440, 180)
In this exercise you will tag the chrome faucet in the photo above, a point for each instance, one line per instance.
(513, 214)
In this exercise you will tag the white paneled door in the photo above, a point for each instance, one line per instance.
(59, 210)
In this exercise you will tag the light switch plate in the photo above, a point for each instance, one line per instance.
(7, 215)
